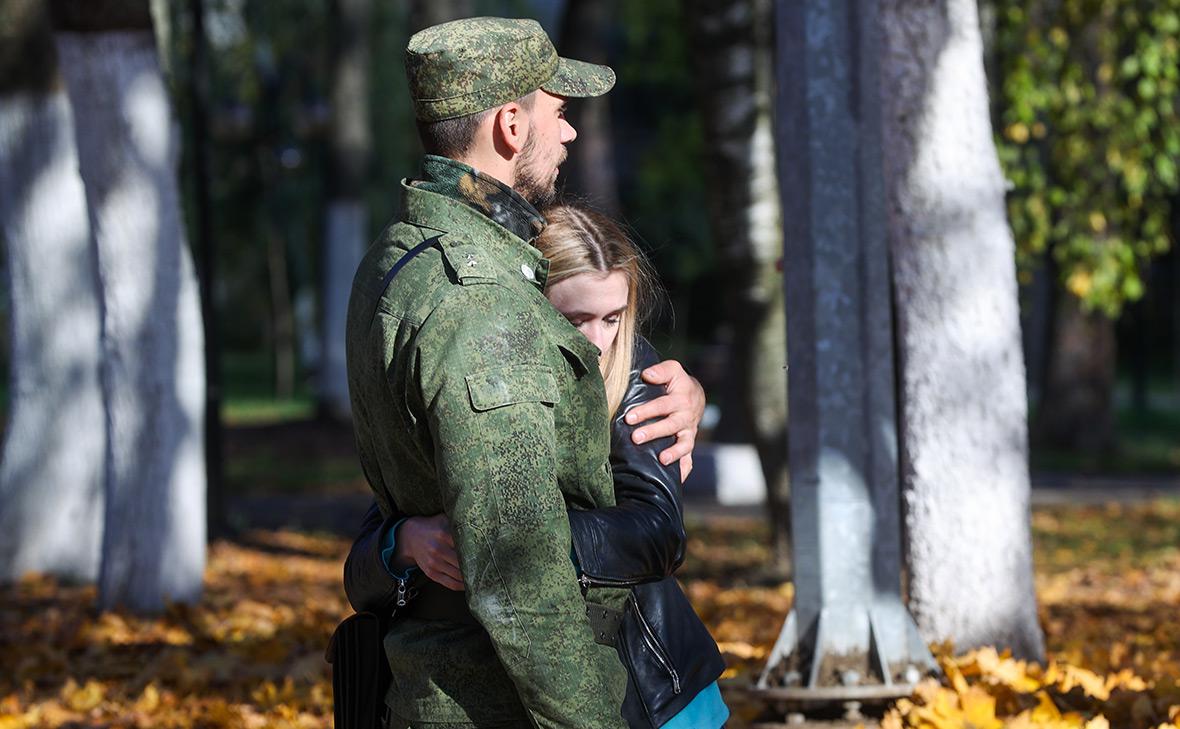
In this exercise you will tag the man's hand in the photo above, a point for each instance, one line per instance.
(427, 542)
(677, 413)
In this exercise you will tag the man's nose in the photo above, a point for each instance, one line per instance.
(568, 133)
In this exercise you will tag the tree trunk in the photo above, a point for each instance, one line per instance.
(51, 496)
(1077, 409)
(1037, 327)
(733, 61)
(590, 172)
(347, 226)
(216, 521)
(153, 379)
(963, 408)
(282, 315)
(275, 230)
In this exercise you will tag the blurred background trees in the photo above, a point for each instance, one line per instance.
(1085, 99)
(310, 130)
(51, 477)
(733, 47)
(1082, 101)
(115, 487)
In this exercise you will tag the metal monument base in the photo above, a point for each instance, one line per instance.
(808, 667)
(788, 706)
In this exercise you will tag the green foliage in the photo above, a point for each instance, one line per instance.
(1088, 134)
(664, 191)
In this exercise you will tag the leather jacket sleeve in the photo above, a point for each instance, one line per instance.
(642, 538)
(368, 584)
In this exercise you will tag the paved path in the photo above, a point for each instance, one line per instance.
(729, 475)
(1065, 488)
(341, 513)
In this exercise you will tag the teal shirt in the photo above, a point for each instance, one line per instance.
(707, 710)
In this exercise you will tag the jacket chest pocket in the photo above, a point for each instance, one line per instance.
(502, 386)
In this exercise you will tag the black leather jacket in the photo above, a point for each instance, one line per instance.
(639, 543)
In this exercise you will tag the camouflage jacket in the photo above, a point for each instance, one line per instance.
(473, 396)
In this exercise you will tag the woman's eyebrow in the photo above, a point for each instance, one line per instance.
(620, 310)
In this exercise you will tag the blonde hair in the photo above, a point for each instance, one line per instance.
(578, 240)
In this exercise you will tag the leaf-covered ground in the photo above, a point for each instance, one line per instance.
(251, 654)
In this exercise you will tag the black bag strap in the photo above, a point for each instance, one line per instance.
(401, 262)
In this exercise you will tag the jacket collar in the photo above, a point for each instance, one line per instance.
(481, 191)
(468, 232)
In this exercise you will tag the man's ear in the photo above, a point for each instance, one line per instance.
(511, 128)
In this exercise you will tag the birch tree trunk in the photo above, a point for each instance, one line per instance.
(963, 403)
(51, 499)
(153, 380)
(347, 226)
(733, 62)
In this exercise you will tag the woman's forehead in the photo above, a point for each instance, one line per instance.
(590, 292)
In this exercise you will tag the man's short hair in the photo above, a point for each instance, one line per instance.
(454, 137)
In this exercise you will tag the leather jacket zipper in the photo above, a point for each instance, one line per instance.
(401, 592)
(588, 581)
(657, 650)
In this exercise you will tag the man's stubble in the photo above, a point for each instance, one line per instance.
(529, 182)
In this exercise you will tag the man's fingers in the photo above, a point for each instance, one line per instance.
(444, 554)
(451, 560)
(443, 571)
(657, 408)
(669, 426)
(669, 415)
(663, 373)
(681, 448)
(453, 576)
(448, 581)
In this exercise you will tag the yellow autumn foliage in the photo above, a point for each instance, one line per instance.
(250, 655)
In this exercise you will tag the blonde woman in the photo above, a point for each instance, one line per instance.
(601, 283)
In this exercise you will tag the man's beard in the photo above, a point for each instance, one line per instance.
(538, 192)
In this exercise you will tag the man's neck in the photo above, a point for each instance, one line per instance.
(492, 165)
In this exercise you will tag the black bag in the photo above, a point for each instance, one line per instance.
(360, 672)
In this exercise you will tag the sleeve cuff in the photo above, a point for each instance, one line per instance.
(388, 545)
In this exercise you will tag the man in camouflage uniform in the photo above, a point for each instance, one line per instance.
(473, 397)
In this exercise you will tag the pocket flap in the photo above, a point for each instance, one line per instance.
(502, 386)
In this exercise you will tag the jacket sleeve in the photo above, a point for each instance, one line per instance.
(367, 582)
(489, 396)
(642, 538)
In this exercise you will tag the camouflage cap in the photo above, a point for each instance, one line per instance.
(466, 66)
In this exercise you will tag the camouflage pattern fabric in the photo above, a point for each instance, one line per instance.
(484, 193)
(473, 396)
(467, 66)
